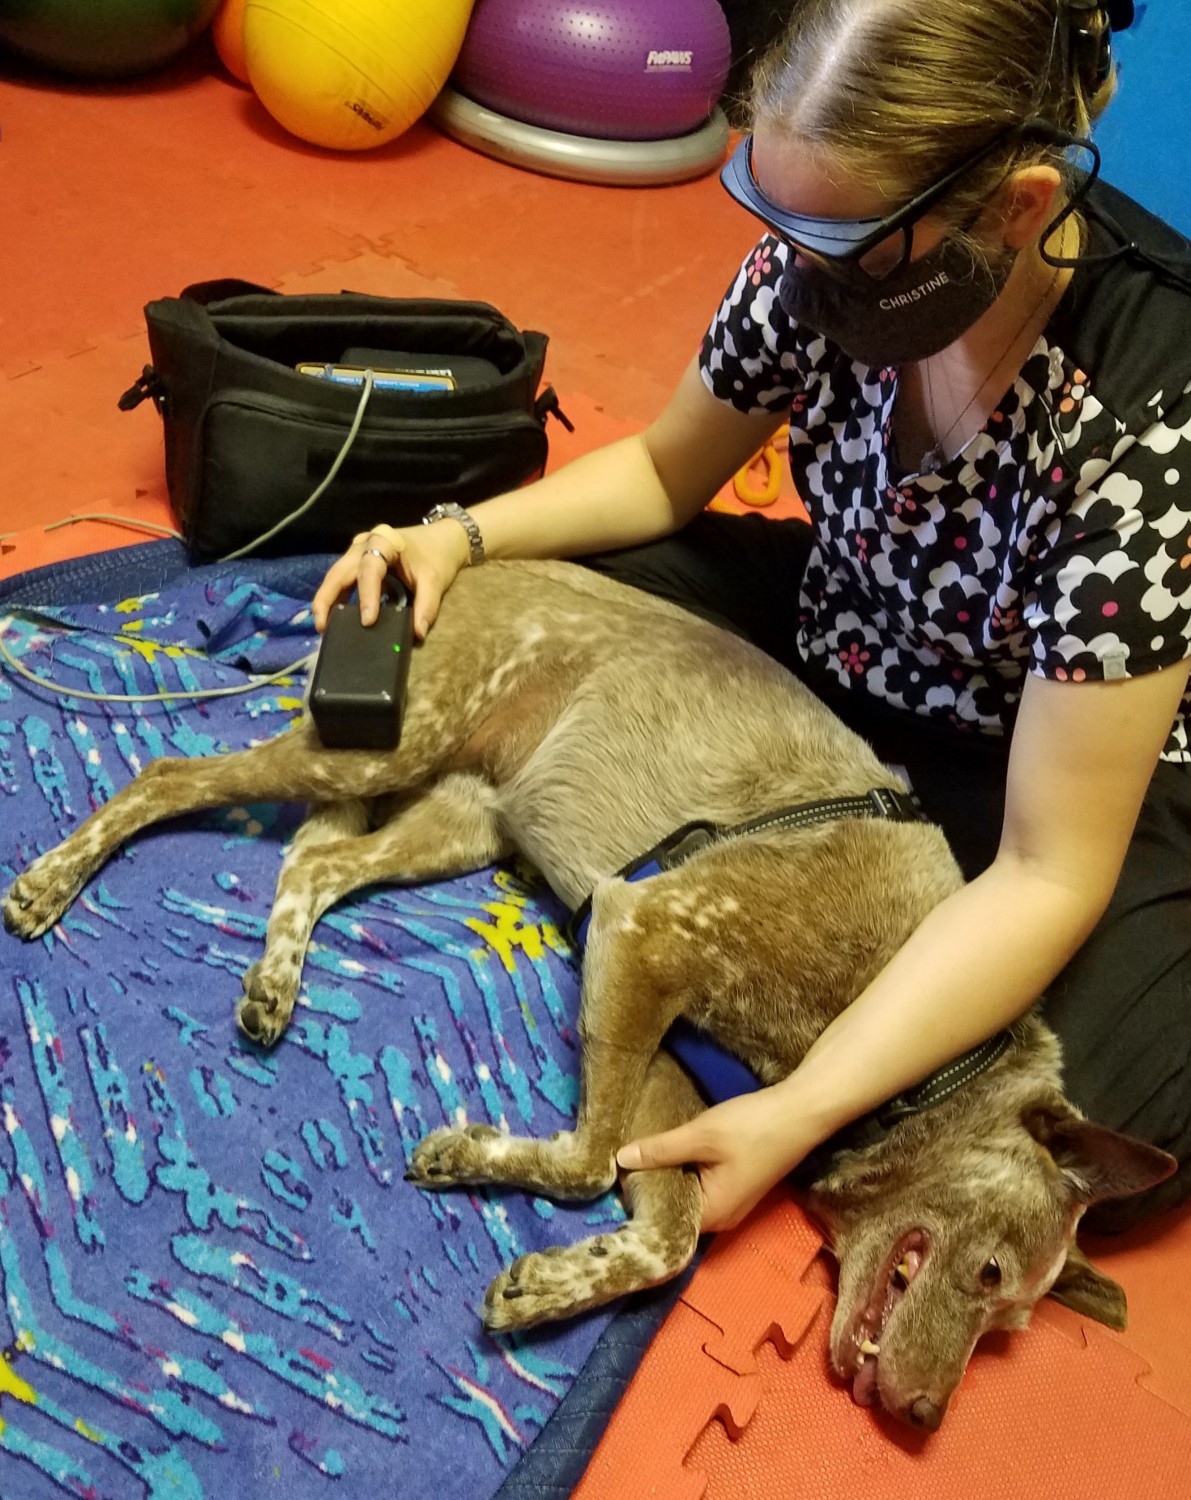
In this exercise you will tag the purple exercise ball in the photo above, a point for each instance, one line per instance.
(625, 70)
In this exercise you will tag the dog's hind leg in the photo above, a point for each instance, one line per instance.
(652, 1246)
(449, 829)
(272, 982)
(294, 767)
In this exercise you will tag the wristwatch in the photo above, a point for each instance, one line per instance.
(449, 511)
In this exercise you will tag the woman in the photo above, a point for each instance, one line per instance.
(988, 384)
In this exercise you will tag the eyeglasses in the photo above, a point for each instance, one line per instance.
(869, 246)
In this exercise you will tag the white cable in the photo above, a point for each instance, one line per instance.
(103, 515)
(295, 667)
(68, 692)
(134, 521)
(369, 380)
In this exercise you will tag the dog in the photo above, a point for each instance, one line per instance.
(558, 714)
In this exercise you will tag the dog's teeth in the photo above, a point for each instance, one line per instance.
(860, 1361)
(868, 1347)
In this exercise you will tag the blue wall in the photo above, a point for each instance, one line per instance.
(1146, 134)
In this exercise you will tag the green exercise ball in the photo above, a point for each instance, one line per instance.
(102, 38)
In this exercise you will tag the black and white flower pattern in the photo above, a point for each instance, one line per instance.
(1058, 542)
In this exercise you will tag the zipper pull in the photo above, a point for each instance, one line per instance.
(149, 384)
(547, 406)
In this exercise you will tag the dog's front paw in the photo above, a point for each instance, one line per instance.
(449, 1157)
(39, 896)
(557, 1283)
(264, 1010)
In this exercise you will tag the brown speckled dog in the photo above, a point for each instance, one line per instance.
(575, 720)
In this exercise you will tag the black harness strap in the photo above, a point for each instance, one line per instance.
(677, 847)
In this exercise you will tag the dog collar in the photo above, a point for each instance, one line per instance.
(717, 1072)
(875, 1126)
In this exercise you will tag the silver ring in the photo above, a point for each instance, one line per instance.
(375, 552)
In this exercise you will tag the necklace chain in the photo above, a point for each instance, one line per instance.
(936, 455)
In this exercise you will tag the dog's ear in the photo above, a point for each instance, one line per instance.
(1097, 1162)
(1085, 1290)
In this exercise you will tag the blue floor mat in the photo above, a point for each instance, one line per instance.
(216, 1280)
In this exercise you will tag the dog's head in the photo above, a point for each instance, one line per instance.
(940, 1241)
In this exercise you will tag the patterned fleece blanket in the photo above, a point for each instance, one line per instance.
(215, 1281)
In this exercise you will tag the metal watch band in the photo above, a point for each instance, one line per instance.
(449, 511)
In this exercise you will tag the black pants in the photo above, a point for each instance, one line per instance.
(1122, 1006)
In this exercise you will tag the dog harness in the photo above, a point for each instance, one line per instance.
(719, 1074)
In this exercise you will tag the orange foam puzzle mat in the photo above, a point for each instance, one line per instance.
(117, 194)
(735, 1398)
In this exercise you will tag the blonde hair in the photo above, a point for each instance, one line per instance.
(895, 93)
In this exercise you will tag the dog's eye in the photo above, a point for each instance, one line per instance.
(990, 1275)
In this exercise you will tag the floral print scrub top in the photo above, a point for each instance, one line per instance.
(1059, 540)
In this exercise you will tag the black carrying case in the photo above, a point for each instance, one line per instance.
(248, 438)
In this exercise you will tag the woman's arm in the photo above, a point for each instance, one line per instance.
(636, 490)
(1081, 760)
(633, 491)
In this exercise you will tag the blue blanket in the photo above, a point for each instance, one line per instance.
(216, 1281)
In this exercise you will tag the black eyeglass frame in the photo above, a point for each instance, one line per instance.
(847, 241)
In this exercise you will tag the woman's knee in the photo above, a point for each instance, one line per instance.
(1122, 1011)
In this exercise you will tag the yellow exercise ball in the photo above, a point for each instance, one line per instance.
(227, 31)
(351, 74)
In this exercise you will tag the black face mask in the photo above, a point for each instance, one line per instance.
(913, 313)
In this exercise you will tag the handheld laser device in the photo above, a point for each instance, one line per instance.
(357, 694)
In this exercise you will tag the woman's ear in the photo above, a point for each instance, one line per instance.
(1026, 204)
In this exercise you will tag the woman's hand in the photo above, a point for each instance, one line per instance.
(427, 559)
(741, 1148)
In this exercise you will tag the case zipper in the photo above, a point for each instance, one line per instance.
(547, 406)
(150, 384)
(375, 421)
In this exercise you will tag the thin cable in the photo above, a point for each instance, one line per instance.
(295, 667)
(369, 381)
(67, 692)
(103, 515)
(365, 394)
